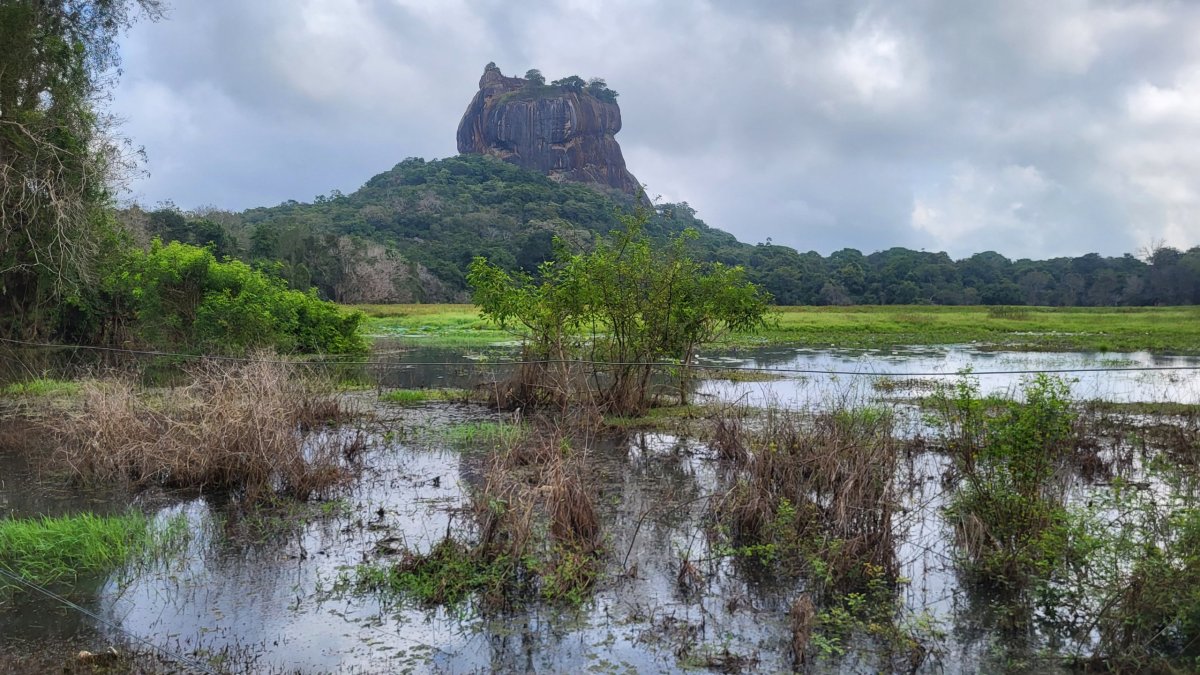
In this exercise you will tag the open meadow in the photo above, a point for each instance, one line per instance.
(1123, 329)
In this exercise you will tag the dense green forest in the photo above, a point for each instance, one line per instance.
(409, 234)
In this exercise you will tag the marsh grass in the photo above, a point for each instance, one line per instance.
(1157, 329)
(815, 497)
(443, 325)
(42, 386)
(1011, 313)
(54, 550)
(238, 427)
(490, 434)
(419, 396)
(811, 496)
(447, 574)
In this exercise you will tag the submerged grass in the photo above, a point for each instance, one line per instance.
(51, 550)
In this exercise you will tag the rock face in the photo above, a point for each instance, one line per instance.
(563, 131)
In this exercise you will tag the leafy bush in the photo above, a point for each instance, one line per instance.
(617, 309)
(179, 296)
(1008, 510)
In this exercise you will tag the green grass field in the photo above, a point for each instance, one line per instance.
(1157, 329)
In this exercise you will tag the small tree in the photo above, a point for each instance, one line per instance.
(599, 88)
(535, 77)
(59, 161)
(615, 312)
(571, 83)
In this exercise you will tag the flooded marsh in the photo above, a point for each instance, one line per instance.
(814, 522)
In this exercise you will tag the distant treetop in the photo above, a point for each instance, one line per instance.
(595, 86)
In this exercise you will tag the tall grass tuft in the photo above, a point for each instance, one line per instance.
(234, 427)
(50, 550)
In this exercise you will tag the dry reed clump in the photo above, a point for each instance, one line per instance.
(530, 487)
(571, 506)
(551, 383)
(728, 439)
(815, 489)
(233, 427)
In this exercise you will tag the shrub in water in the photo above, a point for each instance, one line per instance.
(1008, 508)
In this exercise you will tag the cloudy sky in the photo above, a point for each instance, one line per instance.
(1032, 128)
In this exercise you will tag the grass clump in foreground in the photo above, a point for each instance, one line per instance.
(238, 427)
(419, 396)
(51, 550)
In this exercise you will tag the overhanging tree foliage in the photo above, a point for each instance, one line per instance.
(57, 161)
(595, 322)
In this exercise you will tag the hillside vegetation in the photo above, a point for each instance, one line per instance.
(409, 234)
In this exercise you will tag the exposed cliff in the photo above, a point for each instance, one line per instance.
(563, 130)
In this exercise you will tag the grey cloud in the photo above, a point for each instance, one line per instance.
(1036, 129)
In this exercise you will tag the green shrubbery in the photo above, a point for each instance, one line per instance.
(1008, 510)
(598, 321)
(180, 297)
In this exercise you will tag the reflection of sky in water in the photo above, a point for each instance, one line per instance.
(259, 595)
(860, 369)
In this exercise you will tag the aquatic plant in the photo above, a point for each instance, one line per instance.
(534, 531)
(1008, 508)
(810, 493)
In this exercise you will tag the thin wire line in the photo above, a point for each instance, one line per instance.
(653, 364)
(95, 617)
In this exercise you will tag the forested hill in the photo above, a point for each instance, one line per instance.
(409, 233)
